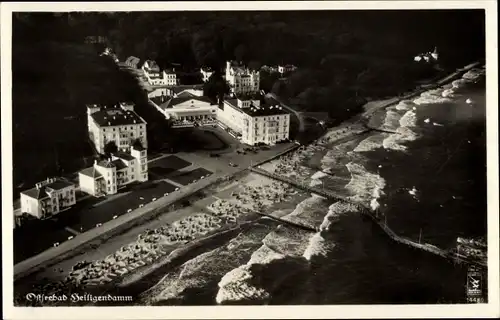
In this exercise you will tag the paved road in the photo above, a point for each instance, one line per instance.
(30, 240)
(218, 166)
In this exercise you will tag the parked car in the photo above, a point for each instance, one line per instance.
(214, 155)
(233, 164)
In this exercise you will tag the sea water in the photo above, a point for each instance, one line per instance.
(429, 182)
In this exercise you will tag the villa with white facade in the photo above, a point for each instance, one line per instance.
(118, 123)
(48, 198)
(286, 68)
(251, 122)
(206, 73)
(108, 176)
(187, 109)
(242, 80)
(156, 77)
(132, 62)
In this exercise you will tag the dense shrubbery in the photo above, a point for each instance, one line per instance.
(343, 57)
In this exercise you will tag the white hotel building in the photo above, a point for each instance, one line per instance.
(254, 123)
(157, 78)
(48, 198)
(108, 176)
(187, 109)
(118, 123)
(242, 80)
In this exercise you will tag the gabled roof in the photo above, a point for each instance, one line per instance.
(41, 192)
(106, 164)
(124, 156)
(36, 193)
(119, 164)
(59, 184)
(91, 172)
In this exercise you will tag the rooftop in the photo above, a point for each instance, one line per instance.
(91, 172)
(105, 164)
(124, 156)
(119, 164)
(172, 102)
(41, 192)
(138, 148)
(113, 116)
(262, 110)
(133, 60)
(179, 89)
(249, 96)
(152, 65)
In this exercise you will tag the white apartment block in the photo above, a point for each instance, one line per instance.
(118, 123)
(254, 123)
(242, 80)
(206, 73)
(157, 78)
(108, 176)
(48, 198)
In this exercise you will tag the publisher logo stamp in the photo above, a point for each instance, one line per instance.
(474, 286)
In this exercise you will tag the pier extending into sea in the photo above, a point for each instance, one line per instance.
(366, 211)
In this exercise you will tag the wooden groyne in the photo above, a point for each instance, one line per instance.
(302, 186)
(368, 213)
(425, 246)
(290, 223)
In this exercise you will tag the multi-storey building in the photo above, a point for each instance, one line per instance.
(132, 62)
(187, 109)
(108, 176)
(286, 68)
(242, 80)
(156, 77)
(48, 198)
(118, 123)
(206, 73)
(253, 123)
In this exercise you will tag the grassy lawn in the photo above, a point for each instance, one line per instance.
(188, 177)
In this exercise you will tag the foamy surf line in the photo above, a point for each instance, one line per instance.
(285, 248)
(366, 188)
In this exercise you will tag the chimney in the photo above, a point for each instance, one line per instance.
(95, 161)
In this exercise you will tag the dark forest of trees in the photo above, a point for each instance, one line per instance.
(343, 57)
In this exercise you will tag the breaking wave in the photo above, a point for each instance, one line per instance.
(364, 186)
(409, 119)
(431, 97)
(404, 105)
(371, 143)
(391, 121)
(403, 134)
(268, 267)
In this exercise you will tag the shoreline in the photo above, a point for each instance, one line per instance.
(244, 173)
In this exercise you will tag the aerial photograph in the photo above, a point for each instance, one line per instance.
(204, 158)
